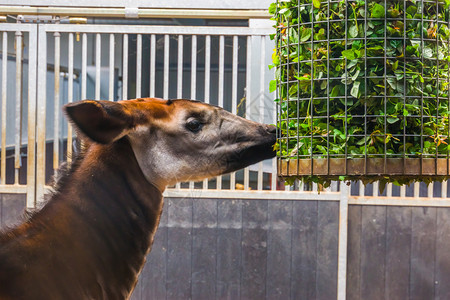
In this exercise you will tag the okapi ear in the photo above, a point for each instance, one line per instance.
(101, 121)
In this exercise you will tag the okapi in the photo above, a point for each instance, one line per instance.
(90, 240)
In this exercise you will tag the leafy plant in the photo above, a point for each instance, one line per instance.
(363, 79)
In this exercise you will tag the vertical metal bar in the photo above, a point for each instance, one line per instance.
(422, 45)
(437, 99)
(70, 96)
(194, 67)
(31, 151)
(4, 95)
(180, 68)
(275, 121)
(261, 101)
(83, 65)
(248, 99)
(41, 104)
(98, 64)
(57, 76)
(125, 67)
(375, 188)
(207, 81)
(328, 89)
(280, 83)
(365, 97)
(342, 244)
(152, 64)
(111, 67)
(234, 78)
(179, 78)
(207, 67)
(18, 115)
(221, 69)
(193, 78)
(402, 191)
(389, 190)
(416, 189)
(166, 67)
(430, 190)
(444, 189)
(311, 97)
(274, 166)
(138, 65)
(361, 188)
(220, 88)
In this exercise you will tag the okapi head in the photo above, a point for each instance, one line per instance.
(176, 140)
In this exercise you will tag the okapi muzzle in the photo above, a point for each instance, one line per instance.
(90, 240)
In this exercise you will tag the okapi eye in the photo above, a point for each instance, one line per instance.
(194, 125)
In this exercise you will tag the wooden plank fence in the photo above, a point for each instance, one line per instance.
(288, 249)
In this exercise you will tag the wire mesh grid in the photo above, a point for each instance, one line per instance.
(362, 87)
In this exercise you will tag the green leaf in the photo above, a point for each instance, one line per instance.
(316, 3)
(427, 52)
(306, 34)
(355, 76)
(362, 12)
(272, 86)
(352, 63)
(355, 89)
(411, 10)
(335, 91)
(286, 12)
(363, 141)
(392, 119)
(272, 8)
(395, 65)
(377, 11)
(348, 54)
(353, 31)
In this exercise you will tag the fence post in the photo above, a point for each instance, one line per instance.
(342, 247)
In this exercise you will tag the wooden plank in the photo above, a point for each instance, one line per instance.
(373, 251)
(229, 233)
(13, 207)
(327, 249)
(354, 253)
(179, 248)
(279, 250)
(442, 254)
(254, 249)
(304, 250)
(204, 249)
(153, 276)
(423, 249)
(398, 252)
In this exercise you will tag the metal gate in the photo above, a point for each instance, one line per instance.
(61, 63)
(18, 110)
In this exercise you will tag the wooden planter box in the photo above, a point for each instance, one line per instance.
(362, 166)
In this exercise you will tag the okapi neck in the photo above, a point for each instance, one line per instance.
(97, 230)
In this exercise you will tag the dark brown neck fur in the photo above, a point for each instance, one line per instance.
(90, 240)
